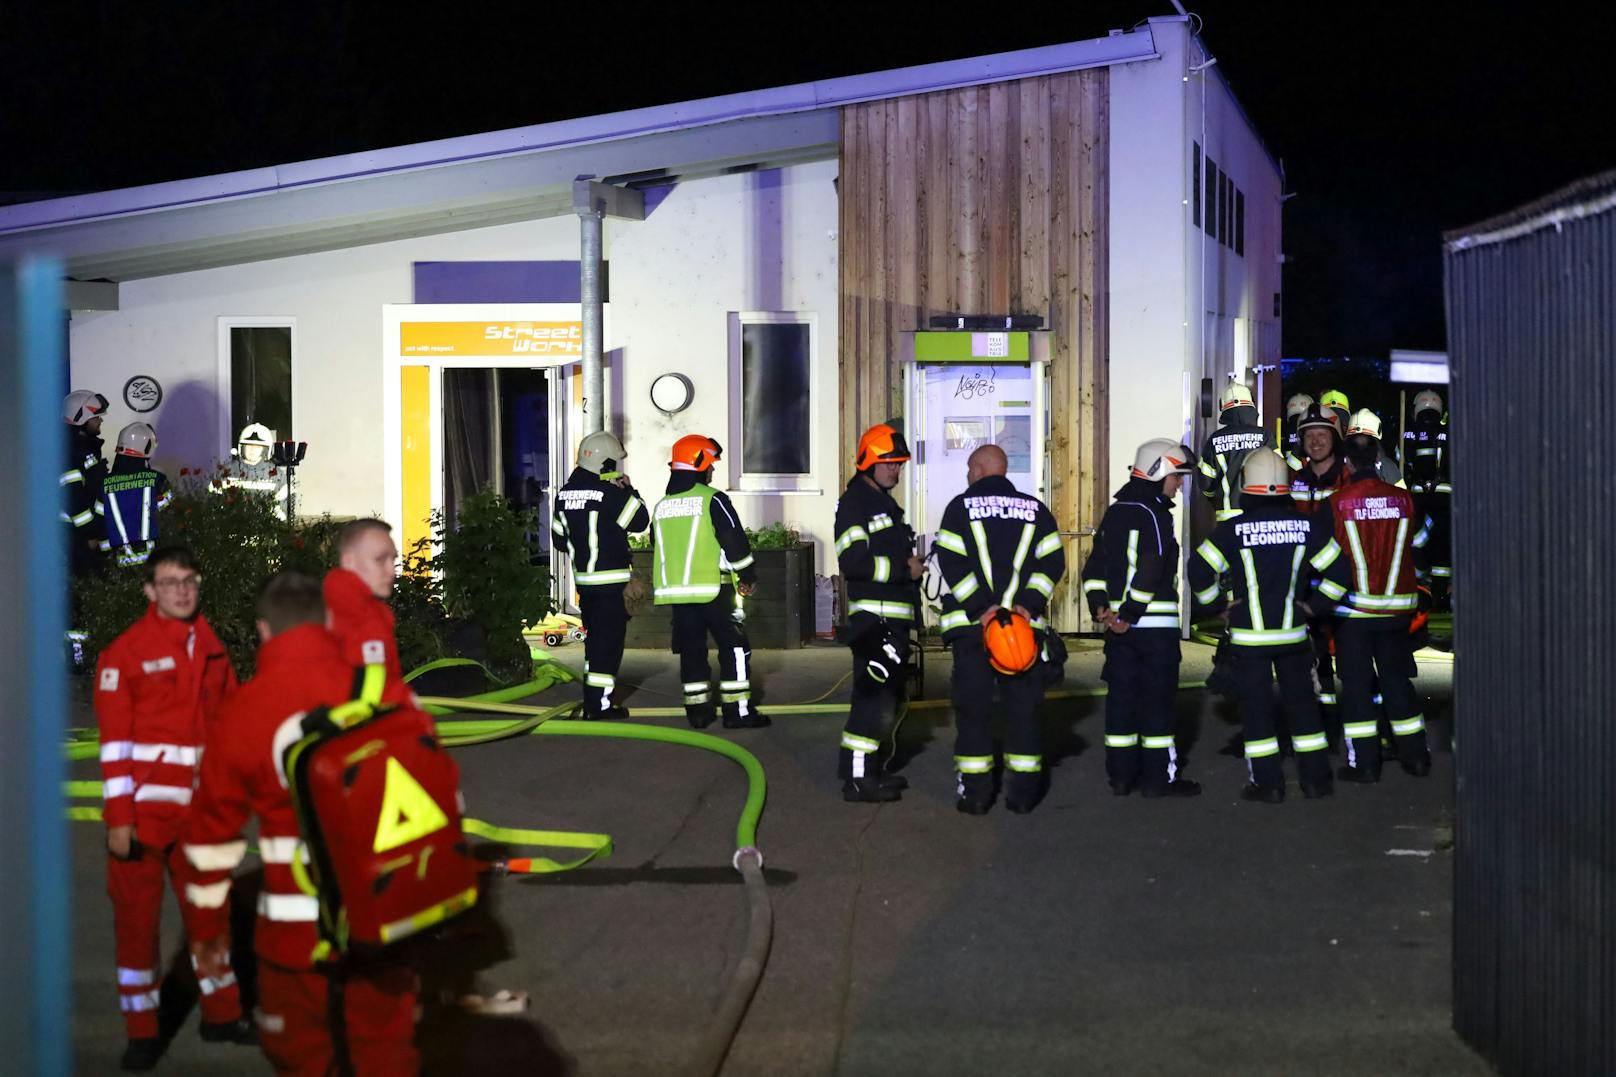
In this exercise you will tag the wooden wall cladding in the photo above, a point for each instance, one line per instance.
(986, 200)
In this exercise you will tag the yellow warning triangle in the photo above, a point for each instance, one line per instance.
(408, 811)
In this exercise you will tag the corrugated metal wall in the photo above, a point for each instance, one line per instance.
(1532, 339)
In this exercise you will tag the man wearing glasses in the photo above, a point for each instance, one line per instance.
(158, 687)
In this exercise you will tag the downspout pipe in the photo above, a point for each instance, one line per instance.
(591, 231)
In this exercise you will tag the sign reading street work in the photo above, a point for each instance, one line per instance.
(546, 340)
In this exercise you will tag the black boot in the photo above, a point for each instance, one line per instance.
(241, 1031)
(1419, 766)
(615, 713)
(1358, 775)
(892, 781)
(975, 794)
(1315, 790)
(1263, 794)
(141, 1055)
(700, 715)
(1022, 792)
(754, 720)
(1120, 788)
(868, 791)
(1182, 787)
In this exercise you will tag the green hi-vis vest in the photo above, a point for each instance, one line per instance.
(688, 556)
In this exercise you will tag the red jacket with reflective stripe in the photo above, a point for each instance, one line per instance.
(1379, 531)
(363, 622)
(299, 670)
(158, 688)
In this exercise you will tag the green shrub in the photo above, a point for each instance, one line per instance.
(237, 541)
(482, 574)
(490, 577)
(773, 537)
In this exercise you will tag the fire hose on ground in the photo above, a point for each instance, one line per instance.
(525, 720)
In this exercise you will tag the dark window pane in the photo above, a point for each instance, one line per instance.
(1195, 172)
(261, 378)
(1211, 198)
(1239, 222)
(774, 406)
(1223, 208)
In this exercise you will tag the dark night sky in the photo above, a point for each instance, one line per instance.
(1395, 121)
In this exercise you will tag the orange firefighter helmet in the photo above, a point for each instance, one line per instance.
(694, 452)
(1010, 643)
(881, 444)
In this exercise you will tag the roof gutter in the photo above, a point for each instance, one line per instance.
(1120, 47)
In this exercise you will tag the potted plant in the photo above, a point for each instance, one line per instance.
(779, 615)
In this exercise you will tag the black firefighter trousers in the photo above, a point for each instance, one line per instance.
(1365, 647)
(1254, 668)
(1141, 671)
(972, 691)
(606, 624)
(692, 624)
(875, 702)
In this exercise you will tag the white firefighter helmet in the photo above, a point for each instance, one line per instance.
(1364, 422)
(81, 405)
(256, 443)
(1297, 405)
(137, 439)
(601, 452)
(1427, 400)
(1237, 394)
(1161, 457)
(1264, 473)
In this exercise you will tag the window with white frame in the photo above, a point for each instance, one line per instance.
(255, 376)
(772, 394)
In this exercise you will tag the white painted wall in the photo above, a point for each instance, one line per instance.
(1176, 292)
(1148, 221)
(743, 242)
(754, 241)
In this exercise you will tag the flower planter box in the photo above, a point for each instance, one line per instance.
(779, 615)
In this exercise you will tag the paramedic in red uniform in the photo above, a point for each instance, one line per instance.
(301, 666)
(158, 689)
(356, 594)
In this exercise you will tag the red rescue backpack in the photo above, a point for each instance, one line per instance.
(378, 806)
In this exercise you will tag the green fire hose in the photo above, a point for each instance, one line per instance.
(747, 860)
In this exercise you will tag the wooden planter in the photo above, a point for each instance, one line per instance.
(780, 615)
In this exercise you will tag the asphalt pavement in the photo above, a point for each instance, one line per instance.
(1096, 935)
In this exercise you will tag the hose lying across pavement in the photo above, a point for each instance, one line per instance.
(748, 860)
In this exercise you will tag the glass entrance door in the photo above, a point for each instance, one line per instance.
(956, 407)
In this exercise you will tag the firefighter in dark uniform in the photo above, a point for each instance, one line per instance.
(81, 476)
(1295, 408)
(1425, 465)
(875, 552)
(1270, 554)
(1131, 583)
(131, 496)
(1383, 540)
(700, 543)
(595, 512)
(83, 469)
(998, 550)
(1226, 449)
(1313, 484)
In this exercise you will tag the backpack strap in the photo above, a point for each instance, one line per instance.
(369, 681)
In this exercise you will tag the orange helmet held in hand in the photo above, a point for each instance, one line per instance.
(881, 444)
(694, 452)
(1010, 643)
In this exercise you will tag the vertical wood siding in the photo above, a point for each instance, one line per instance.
(986, 200)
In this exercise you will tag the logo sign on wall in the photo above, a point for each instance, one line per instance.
(142, 393)
(553, 340)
